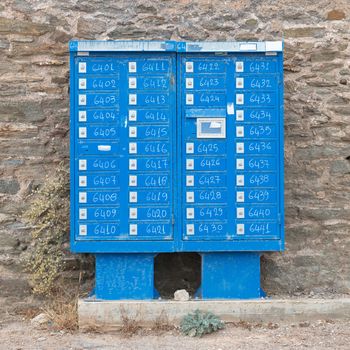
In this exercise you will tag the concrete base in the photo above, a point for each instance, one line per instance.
(109, 315)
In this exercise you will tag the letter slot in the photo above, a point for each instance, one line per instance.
(211, 128)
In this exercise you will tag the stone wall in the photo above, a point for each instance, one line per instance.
(34, 113)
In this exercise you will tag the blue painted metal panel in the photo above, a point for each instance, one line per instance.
(153, 197)
(151, 132)
(257, 115)
(153, 83)
(100, 230)
(205, 66)
(213, 230)
(108, 180)
(98, 197)
(153, 213)
(109, 213)
(99, 83)
(253, 229)
(122, 46)
(256, 180)
(108, 231)
(230, 275)
(257, 163)
(152, 164)
(245, 82)
(256, 131)
(255, 99)
(137, 157)
(205, 164)
(257, 196)
(258, 212)
(207, 196)
(204, 82)
(124, 276)
(205, 179)
(113, 213)
(205, 99)
(152, 148)
(256, 147)
(209, 212)
(122, 145)
(153, 116)
(100, 132)
(260, 65)
(200, 112)
(151, 99)
(245, 90)
(231, 46)
(206, 147)
(92, 164)
(153, 66)
(98, 100)
(99, 148)
(101, 66)
(100, 116)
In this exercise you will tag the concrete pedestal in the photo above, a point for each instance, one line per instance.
(109, 315)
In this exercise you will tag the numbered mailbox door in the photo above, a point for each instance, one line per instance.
(231, 146)
(122, 150)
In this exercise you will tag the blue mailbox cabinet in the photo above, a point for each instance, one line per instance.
(176, 147)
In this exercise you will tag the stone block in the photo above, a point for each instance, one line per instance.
(9, 186)
(18, 26)
(335, 15)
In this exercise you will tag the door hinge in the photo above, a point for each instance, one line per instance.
(173, 220)
(279, 217)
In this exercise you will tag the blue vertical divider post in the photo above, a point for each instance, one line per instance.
(176, 147)
(231, 276)
(124, 276)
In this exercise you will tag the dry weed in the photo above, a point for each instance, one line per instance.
(28, 312)
(62, 308)
(130, 325)
(162, 323)
(63, 314)
(48, 220)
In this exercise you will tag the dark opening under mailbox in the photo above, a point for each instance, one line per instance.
(176, 147)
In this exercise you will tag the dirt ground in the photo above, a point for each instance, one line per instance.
(17, 333)
(324, 334)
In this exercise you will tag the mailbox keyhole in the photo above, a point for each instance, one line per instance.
(173, 271)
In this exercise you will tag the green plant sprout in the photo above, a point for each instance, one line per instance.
(199, 322)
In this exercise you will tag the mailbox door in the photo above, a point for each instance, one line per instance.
(232, 145)
(122, 151)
